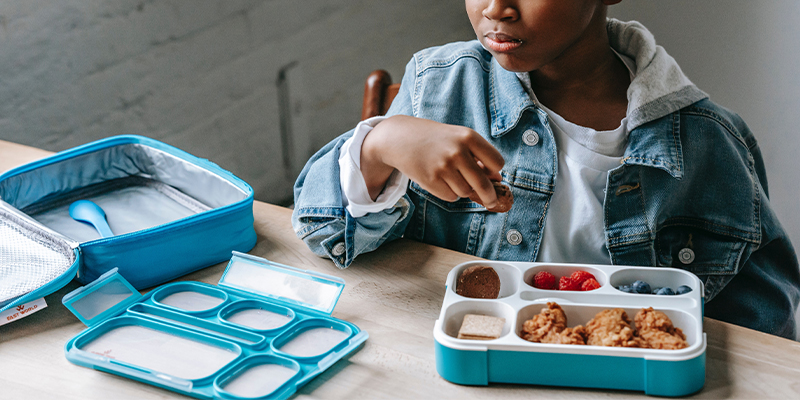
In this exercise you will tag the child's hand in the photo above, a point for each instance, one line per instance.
(448, 161)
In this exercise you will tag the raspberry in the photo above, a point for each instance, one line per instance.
(590, 284)
(580, 276)
(566, 283)
(544, 280)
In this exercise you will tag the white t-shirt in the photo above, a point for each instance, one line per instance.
(573, 230)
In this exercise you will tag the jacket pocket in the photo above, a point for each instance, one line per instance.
(699, 251)
(454, 225)
(714, 257)
(460, 205)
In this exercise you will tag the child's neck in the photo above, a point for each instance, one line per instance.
(586, 86)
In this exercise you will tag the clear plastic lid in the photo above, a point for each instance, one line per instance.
(105, 297)
(288, 285)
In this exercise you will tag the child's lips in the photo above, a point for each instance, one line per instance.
(501, 42)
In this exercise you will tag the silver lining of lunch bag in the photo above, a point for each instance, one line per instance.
(207, 187)
(170, 192)
(131, 204)
(137, 186)
(30, 257)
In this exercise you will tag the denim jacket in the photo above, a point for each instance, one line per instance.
(690, 192)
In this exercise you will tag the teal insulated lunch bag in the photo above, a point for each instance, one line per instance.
(168, 213)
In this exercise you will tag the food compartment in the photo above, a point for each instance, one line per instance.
(474, 280)
(311, 338)
(256, 315)
(256, 377)
(210, 327)
(562, 270)
(190, 297)
(656, 278)
(581, 314)
(145, 345)
(455, 313)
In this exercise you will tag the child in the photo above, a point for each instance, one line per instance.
(612, 154)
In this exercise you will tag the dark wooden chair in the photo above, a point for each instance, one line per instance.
(379, 91)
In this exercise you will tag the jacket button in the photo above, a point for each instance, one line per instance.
(686, 255)
(338, 249)
(530, 137)
(514, 237)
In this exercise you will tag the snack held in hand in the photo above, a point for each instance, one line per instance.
(478, 282)
(481, 327)
(505, 199)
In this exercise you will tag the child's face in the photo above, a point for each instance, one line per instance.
(525, 35)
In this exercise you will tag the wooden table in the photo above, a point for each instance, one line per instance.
(394, 294)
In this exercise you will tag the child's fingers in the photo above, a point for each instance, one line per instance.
(450, 187)
(493, 175)
(441, 189)
(478, 181)
(458, 184)
(489, 157)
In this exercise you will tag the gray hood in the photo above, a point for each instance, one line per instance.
(659, 87)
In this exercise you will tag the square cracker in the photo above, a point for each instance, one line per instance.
(481, 327)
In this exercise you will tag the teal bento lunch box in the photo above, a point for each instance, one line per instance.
(512, 359)
(170, 214)
(262, 333)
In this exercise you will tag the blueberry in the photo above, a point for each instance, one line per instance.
(665, 291)
(641, 287)
(655, 290)
(682, 289)
(625, 288)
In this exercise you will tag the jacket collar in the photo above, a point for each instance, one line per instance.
(657, 144)
(507, 99)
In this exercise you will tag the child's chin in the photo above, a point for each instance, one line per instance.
(513, 64)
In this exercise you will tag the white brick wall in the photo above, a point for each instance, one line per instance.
(203, 75)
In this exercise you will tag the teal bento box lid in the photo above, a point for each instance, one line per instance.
(263, 332)
(170, 213)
